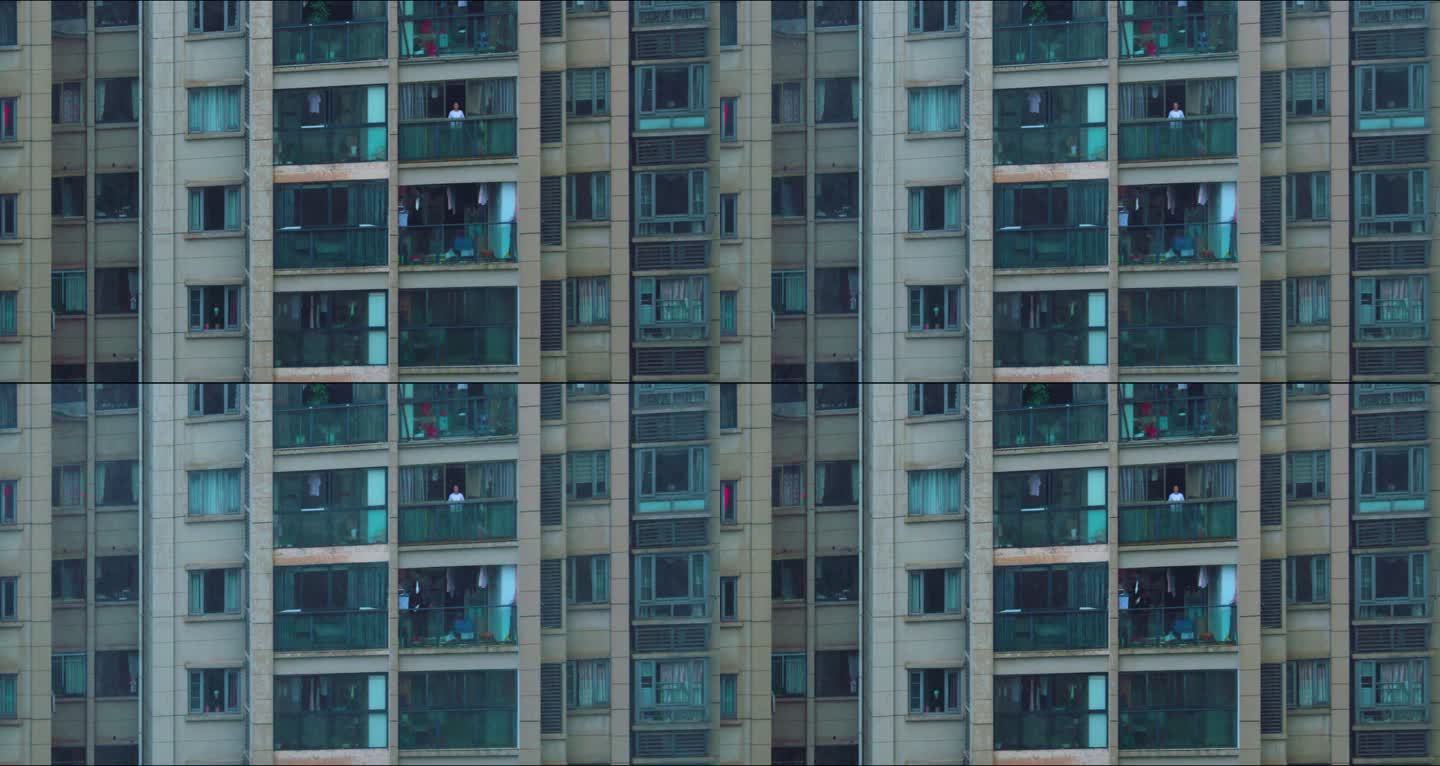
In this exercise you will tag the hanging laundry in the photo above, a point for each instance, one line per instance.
(449, 199)
(1204, 579)
(1169, 581)
(314, 485)
(481, 197)
(481, 581)
(1200, 197)
(1034, 485)
(1169, 199)
(1034, 102)
(449, 581)
(314, 102)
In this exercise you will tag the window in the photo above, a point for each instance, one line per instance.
(671, 585)
(117, 291)
(837, 482)
(214, 16)
(837, 195)
(935, 208)
(587, 92)
(1308, 475)
(729, 406)
(1307, 684)
(117, 482)
(729, 599)
(7, 118)
(9, 596)
(214, 691)
(1063, 712)
(787, 197)
(214, 308)
(671, 691)
(936, 399)
(7, 696)
(836, 13)
(787, 579)
(1307, 579)
(215, 493)
(1044, 329)
(67, 103)
(837, 99)
(1392, 691)
(352, 705)
(936, 591)
(1390, 96)
(1390, 585)
(587, 477)
(936, 493)
(9, 216)
(837, 673)
(1307, 301)
(1042, 125)
(936, 691)
(351, 121)
(215, 591)
(9, 405)
(671, 96)
(214, 110)
(1050, 607)
(208, 399)
(587, 684)
(729, 682)
(730, 216)
(9, 35)
(787, 485)
(116, 13)
(587, 302)
(588, 197)
(1390, 479)
(787, 103)
(837, 291)
(589, 579)
(215, 208)
(1308, 197)
(1307, 6)
(837, 578)
(117, 578)
(1391, 308)
(586, 390)
(1307, 389)
(9, 500)
(936, 16)
(116, 99)
(67, 486)
(1307, 92)
(671, 202)
(936, 109)
(671, 479)
(729, 22)
(67, 579)
(787, 675)
(8, 327)
(117, 674)
(1178, 326)
(588, 6)
(67, 196)
(936, 308)
(117, 195)
(1176, 703)
(67, 675)
(787, 292)
(117, 386)
(1392, 202)
(729, 118)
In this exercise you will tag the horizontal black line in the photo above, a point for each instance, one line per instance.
(679, 381)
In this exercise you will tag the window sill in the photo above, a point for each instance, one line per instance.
(1309, 224)
(923, 717)
(933, 518)
(853, 507)
(587, 328)
(116, 125)
(99, 221)
(1304, 328)
(11, 143)
(836, 219)
(917, 235)
(588, 607)
(837, 124)
(222, 617)
(10, 527)
(213, 234)
(730, 339)
(588, 224)
(933, 135)
(587, 712)
(792, 604)
(67, 220)
(1309, 118)
(9, 721)
(731, 527)
(955, 617)
(214, 135)
(730, 143)
(787, 510)
(1310, 502)
(116, 508)
(837, 411)
(594, 502)
(1309, 607)
(201, 717)
(130, 602)
(837, 602)
(786, 127)
(939, 418)
(589, 119)
(192, 420)
(939, 334)
(731, 624)
(936, 35)
(115, 314)
(67, 127)
(12, 624)
(71, 604)
(214, 518)
(730, 240)
(116, 697)
(1309, 711)
(223, 34)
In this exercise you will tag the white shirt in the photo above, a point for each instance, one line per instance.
(1177, 497)
(1177, 114)
(459, 114)
(457, 497)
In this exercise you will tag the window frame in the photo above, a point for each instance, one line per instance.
(815, 108)
(730, 215)
(953, 396)
(57, 102)
(1371, 671)
(102, 83)
(594, 291)
(916, 578)
(949, 293)
(649, 222)
(952, 19)
(729, 691)
(230, 17)
(729, 119)
(230, 396)
(598, 681)
(783, 667)
(9, 216)
(599, 469)
(229, 191)
(1319, 87)
(1414, 604)
(599, 98)
(231, 307)
(920, 195)
(647, 97)
(695, 708)
(649, 605)
(233, 93)
(9, 598)
(1418, 99)
(1317, 568)
(1319, 183)
(9, 502)
(598, 184)
(952, 679)
(104, 190)
(62, 663)
(1319, 468)
(778, 96)
(231, 686)
(1319, 696)
(778, 292)
(598, 566)
(9, 119)
(1370, 222)
(730, 598)
(837, 213)
(956, 122)
(134, 579)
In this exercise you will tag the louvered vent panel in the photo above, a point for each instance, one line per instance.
(1272, 593)
(552, 210)
(1411, 743)
(552, 315)
(1388, 427)
(671, 361)
(1272, 401)
(670, 533)
(552, 698)
(670, 150)
(1387, 43)
(1389, 150)
(1272, 315)
(1272, 211)
(552, 20)
(1389, 361)
(669, 426)
(671, 744)
(1390, 255)
(551, 598)
(671, 638)
(1272, 698)
(1391, 533)
(552, 107)
(1272, 18)
(552, 491)
(667, 44)
(552, 401)
(1389, 638)
(1272, 509)
(1272, 108)
(663, 256)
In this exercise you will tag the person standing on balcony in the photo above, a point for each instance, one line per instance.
(457, 499)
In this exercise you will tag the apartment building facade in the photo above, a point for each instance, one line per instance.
(469, 346)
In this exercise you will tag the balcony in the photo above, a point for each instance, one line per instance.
(1050, 630)
(1027, 347)
(458, 244)
(447, 139)
(1172, 244)
(330, 425)
(1020, 248)
(329, 347)
(1174, 414)
(328, 730)
(1154, 32)
(1177, 626)
(1184, 346)
(1180, 139)
(1035, 527)
(457, 627)
(67, 399)
(364, 245)
(116, 396)
(1173, 224)
(1049, 42)
(490, 727)
(1190, 520)
(465, 32)
(329, 144)
(486, 344)
(324, 527)
(1368, 13)
(330, 43)
(1047, 426)
(652, 13)
(329, 630)
(428, 413)
(470, 521)
(1379, 396)
(1039, 144)
(1179, 728)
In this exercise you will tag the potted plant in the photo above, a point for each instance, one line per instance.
(487, 637)
(317, 11)
(317, 395)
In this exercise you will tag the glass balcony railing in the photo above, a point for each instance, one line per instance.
(1190, 417)
(116, 396)
(1176, 522)
(1179, 243)
(472, 520)
(330, 425)
(458, 243)
(329, 144)
(1051, 42)
(1043, 730)
(1050, 630)
(358, 40)
(457, 418)
(1179, 33)
(1177, 626)
(329, 630)
(457, 626)
(1178, 728)
(1374, 396)
(1043, 248)
(326, 730)
(458, 346)
(446, 139)
(1050, 526)
(1049, 348)
(470, 34)
(67, 399)
(649, 13)
(330, 347)
(1051, 425)
(330, 248)
(1177, 346)
(330, 527)
(449, 729)
(1390, 609)
(1166, 139)
(1049, 144)
(1367, 13)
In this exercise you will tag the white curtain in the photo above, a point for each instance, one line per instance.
(934, 109)
(214, 110)
(934, 493)
(214, 493)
